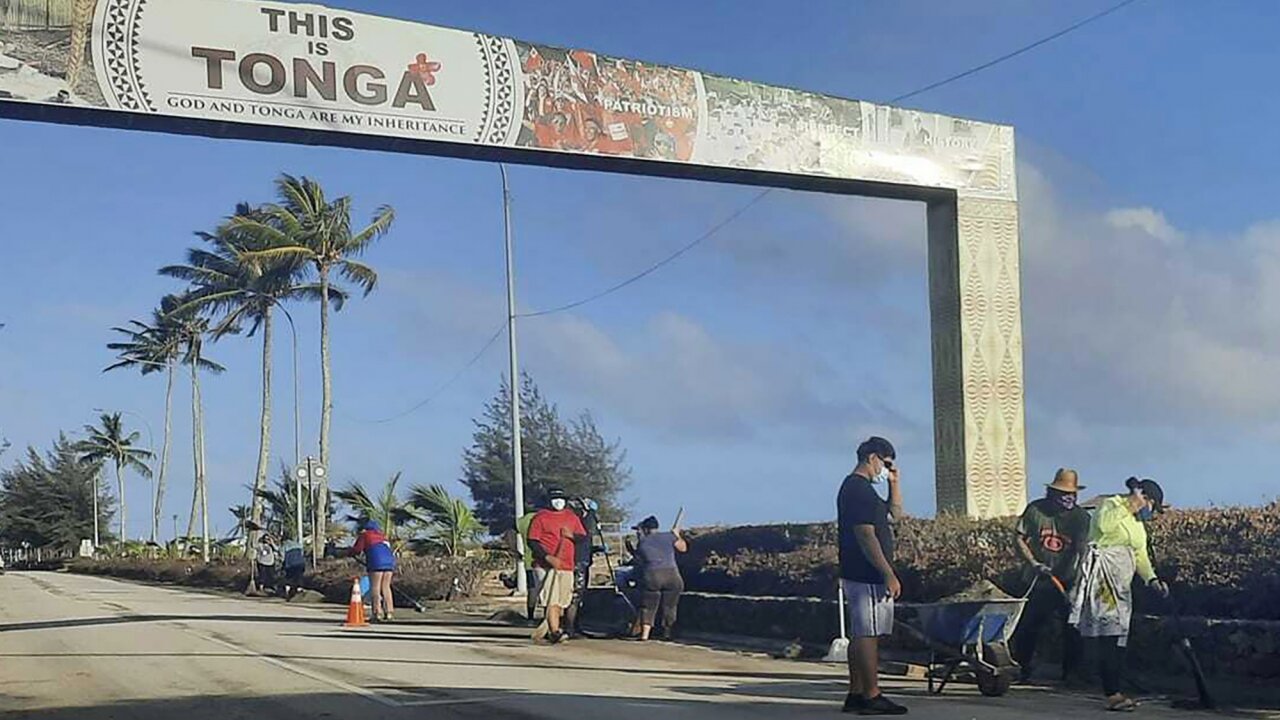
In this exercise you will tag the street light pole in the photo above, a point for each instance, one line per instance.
(309, 471)
(517, 463)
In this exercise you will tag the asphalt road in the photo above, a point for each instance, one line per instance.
(83, 648)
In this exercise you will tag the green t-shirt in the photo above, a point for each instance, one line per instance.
(1056, 538)
(522, 527)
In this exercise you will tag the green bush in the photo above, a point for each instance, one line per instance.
(1221, 562)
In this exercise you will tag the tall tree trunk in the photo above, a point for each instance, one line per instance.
(164, 456)
(97, 512)
(202, 479)
(195, 452)
(264, 434)
(124, 527)
(326, 410)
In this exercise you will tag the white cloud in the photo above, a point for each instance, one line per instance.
(1152, 222)
(1173, 333)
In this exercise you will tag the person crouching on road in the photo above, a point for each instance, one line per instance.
(1051, 533)
(661, 582)
(380, 563)
(552, 535)
(866, 571)
(1102, 601)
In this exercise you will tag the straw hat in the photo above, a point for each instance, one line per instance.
(1066, 480)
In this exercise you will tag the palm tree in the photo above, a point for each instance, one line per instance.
(280, 511)
(452, 524)
(307, 226)
(236, 288)
(152, 348)
(108, 442)
(387, 507)
(190, 329)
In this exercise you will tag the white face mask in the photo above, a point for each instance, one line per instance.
(882, 476)
(558, 504)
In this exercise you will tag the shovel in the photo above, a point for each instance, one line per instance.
(839, 650)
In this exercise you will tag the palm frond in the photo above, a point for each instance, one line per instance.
(379, 226)
(360, 274)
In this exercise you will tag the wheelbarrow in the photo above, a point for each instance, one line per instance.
(967, 635)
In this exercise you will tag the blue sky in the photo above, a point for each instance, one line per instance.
(738, 378)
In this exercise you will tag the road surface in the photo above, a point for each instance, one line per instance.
(85, 648)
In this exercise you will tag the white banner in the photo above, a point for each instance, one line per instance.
(308, 67)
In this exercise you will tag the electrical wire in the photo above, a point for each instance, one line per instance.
(448, 383)
(1009, 56)
(658, 265)
(728, 220)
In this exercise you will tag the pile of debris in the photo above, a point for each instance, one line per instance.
(980, 591)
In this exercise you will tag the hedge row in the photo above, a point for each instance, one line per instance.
(425, 578)
(1221, 562)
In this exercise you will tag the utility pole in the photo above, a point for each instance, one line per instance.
(522, 586)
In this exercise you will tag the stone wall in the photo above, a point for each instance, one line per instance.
(1241, 649)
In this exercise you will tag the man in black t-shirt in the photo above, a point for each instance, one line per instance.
(1051, 534)
(866, 571)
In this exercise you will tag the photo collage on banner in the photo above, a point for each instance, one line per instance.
(579, 101)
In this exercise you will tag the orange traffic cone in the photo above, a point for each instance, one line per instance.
(355, 610)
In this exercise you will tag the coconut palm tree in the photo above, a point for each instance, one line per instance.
(234, 288)
(452, 524)
(108, 442)
(387, 507)
(191, 329)
(306, 225)
(150, 349)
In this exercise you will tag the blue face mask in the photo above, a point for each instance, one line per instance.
(1146, 514)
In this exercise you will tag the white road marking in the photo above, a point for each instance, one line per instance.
(442, 702)
(298, 670)
(332, 681)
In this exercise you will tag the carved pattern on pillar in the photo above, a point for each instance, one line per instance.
(991, 345)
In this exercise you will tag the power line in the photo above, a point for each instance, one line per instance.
(661, 263)
(1015, 53)
(742, 210)
(448, 383)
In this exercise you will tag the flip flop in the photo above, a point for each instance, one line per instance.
(1122, 705)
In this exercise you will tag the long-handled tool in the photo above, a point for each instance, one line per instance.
(632, 612)
(408, 599)
(1188, 653)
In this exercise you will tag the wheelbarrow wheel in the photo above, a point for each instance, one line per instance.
(993, 684)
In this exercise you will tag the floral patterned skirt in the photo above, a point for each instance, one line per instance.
(1102, 600)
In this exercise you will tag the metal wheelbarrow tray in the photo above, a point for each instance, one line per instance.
(967, 635)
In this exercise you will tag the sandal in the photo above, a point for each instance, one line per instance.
(1122, 704)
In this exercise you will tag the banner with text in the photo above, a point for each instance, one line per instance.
(314, 68)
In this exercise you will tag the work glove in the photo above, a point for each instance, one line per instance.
(1160, 587)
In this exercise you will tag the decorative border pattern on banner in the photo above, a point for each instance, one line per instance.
(120, 41)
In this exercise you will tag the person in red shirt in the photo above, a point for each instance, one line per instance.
(552, 534)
